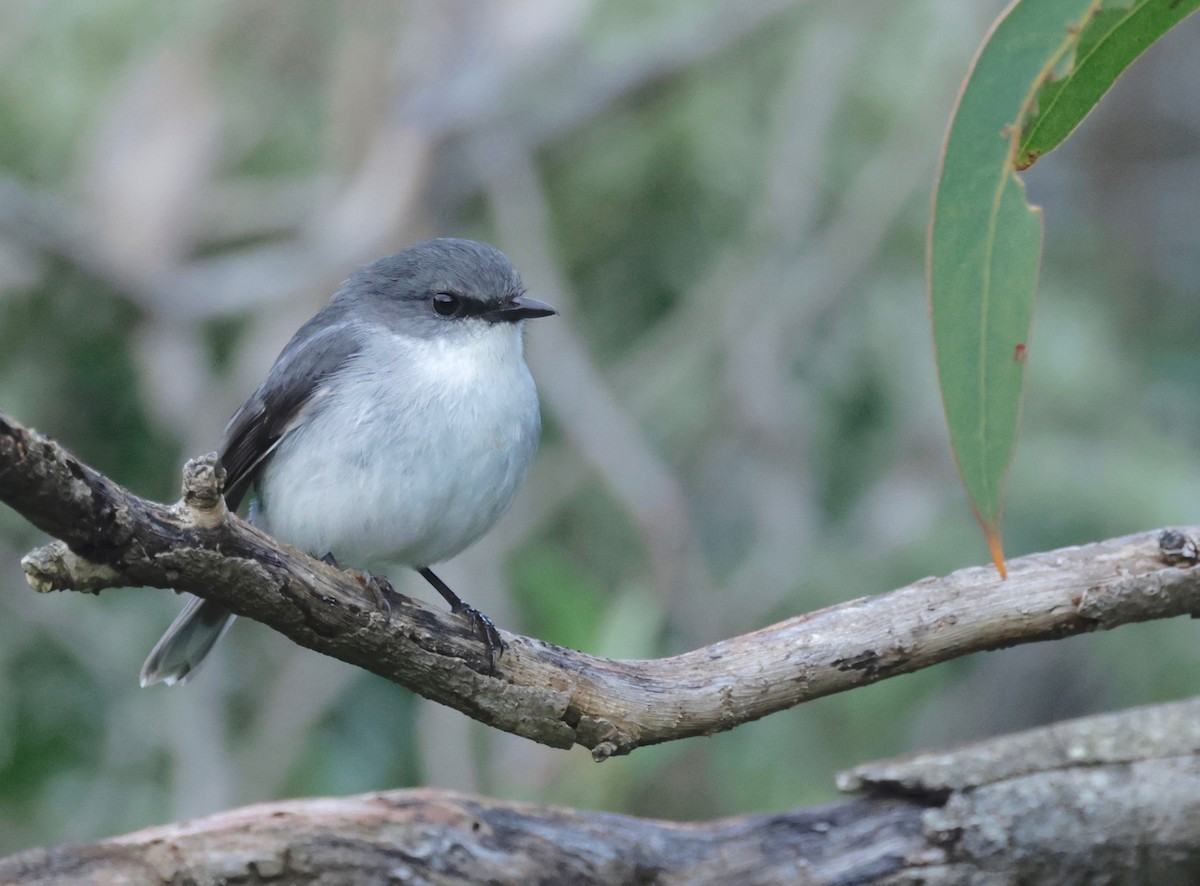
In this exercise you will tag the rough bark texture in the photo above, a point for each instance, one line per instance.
(557, 696)
(1102, 800)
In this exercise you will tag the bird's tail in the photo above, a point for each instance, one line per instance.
(190, 638)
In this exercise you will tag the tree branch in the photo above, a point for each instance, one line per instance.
(553, 695)
(1113, 798)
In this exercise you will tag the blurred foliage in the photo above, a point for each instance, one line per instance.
(729, 203)
(79, 379)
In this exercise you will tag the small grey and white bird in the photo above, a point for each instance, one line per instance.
(394, 428)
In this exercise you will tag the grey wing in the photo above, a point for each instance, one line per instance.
(322, 346)
(318, 350)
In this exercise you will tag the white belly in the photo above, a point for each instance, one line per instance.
(416, 453)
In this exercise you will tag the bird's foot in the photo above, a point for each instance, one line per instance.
(484, 629)
(379, 588)
(481, 625)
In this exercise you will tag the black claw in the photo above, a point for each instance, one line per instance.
(484, 629)
(481, 625)
(329, 560)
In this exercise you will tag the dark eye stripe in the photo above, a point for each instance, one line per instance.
(451, 304)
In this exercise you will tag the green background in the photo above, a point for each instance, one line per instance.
(729, 203)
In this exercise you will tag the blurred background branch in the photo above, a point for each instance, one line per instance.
(731, 200)
(1050, 805)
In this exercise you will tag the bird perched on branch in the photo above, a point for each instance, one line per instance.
(394, 428)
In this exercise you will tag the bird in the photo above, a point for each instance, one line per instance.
(394, 428)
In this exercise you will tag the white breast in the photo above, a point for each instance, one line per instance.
(417, 450)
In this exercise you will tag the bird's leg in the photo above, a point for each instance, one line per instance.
(377, 586)
(484, 629)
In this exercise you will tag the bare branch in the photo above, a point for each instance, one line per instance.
(553, 695)
(1113, 798)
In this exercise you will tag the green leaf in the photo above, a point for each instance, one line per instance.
(1042, 68)
(1110, 41)
(985, 246)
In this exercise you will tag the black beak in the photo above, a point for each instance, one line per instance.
(520, 308)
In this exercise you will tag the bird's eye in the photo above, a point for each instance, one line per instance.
(447, 304)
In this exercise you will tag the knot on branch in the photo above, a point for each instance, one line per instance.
(1178, 548)
(55, 567)
(203, 491)
(604, 737)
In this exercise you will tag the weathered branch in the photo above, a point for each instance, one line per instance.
(1108, 799)
(547, 693)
